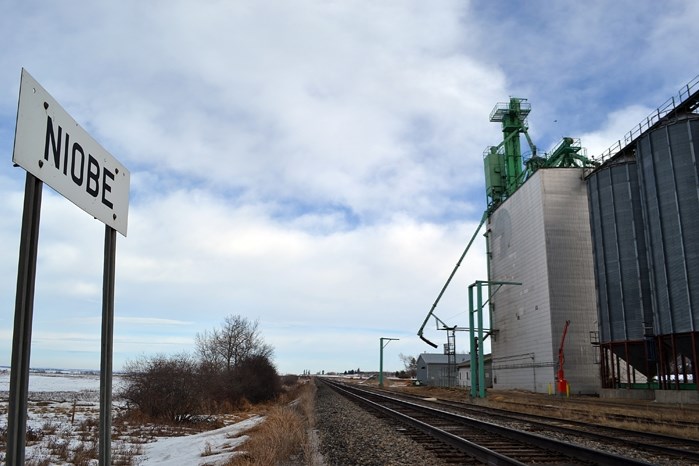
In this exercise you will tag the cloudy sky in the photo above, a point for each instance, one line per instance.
(314, 165)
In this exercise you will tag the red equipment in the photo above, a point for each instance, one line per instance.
(561, 382)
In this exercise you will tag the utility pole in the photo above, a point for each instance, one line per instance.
(382, 346)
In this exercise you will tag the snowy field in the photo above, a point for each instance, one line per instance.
(56, 381)
(63, 420)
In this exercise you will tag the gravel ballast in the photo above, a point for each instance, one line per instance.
(350, 436)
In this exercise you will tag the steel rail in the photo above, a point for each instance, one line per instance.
(474, 450)
(569, 450)
(646, 441)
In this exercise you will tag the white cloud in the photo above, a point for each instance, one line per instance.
(617, 126)
(577, 61)
(150, 321)
(315, 165)
(317, 102)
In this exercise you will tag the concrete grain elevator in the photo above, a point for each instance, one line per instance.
(538, 235)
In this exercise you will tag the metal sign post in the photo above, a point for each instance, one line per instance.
(55, 150)
(105, 440)
(24, 309)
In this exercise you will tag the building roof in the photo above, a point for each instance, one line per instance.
(441, 358)
(487, 359)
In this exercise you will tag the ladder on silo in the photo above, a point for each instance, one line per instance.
(450, 351)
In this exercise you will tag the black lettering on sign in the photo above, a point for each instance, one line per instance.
(93, 175)
(78, 168)
(105, 187)
(51, 141)
(77, 177)
(65, 155)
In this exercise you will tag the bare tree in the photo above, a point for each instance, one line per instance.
(237, 339)
(207, 351)
(410, 364)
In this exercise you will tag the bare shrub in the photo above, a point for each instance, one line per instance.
(215, 391)
(49, 427)
(33, 435)
(290, 380)
(256, 379)
(233, 370)
(163, 387)
(58, 447)
(83, 454)
(88, 429)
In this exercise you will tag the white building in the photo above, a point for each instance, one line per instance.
(463, 379)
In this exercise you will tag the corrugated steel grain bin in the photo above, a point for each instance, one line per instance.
(667, 161)
(618, 241)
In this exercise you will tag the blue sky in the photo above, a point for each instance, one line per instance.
(316, 165)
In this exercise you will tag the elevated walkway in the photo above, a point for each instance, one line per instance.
(686, 101)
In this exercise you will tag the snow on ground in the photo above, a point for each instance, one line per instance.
(63, 406)
(213, 447)
(59, 381)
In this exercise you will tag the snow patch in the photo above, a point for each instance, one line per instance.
(214, 447)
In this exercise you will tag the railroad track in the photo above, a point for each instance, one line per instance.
(461, 439)
(683, 449)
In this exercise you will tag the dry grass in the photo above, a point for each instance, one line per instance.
(274, 440)
(285, 435)
(125, 454)
(69, 433)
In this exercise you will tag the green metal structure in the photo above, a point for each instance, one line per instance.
(505, 168)
(503, 163)
(446, 285)
(382, 345)
(478, 334)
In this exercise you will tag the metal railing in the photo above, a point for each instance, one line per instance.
(651, 119)
(503, 108)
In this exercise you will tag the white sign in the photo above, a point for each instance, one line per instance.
(50, 145)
